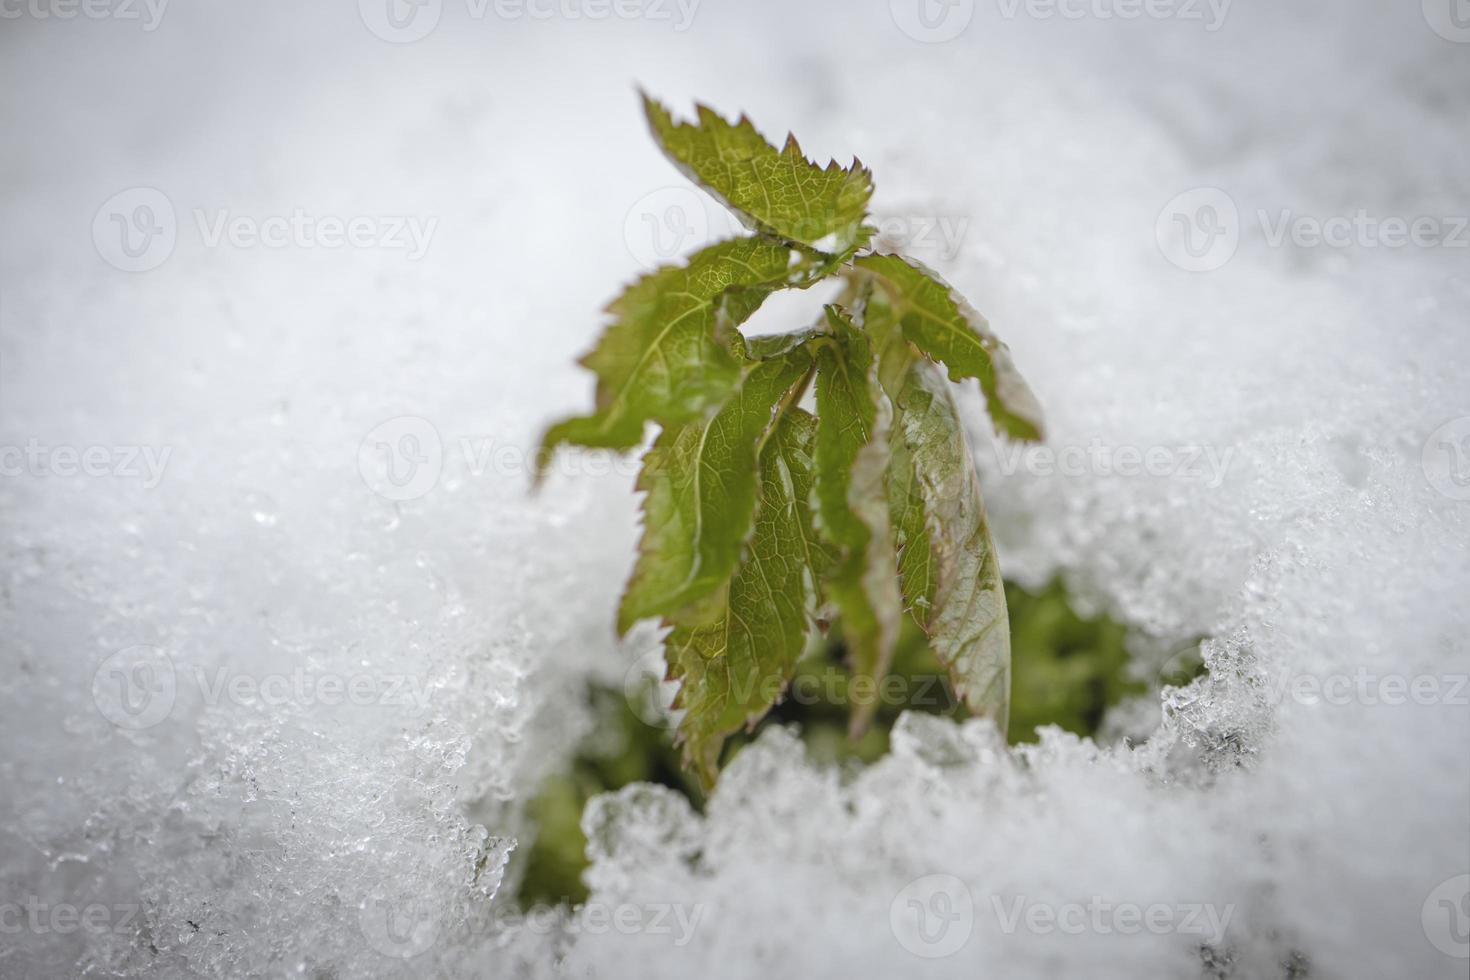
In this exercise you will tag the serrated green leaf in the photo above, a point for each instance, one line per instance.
(666, 357)
(852, 454)
(700, 484)
(734, 656)
(968, 627)
(946, 328)
(777, 192)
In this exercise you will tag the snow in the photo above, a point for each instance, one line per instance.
(358, 676)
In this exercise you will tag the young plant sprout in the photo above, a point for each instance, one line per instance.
(770, 518)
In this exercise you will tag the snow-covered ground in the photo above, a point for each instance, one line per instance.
(285, 644)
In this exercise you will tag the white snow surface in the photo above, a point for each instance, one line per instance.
(1306, 793)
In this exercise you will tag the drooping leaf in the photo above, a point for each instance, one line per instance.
(967, 625)
(700, 484)
(734, 655)
(906, 516)
(778, 192)
(848, 402)
(948, 572)
(852, 454)
(946, 328)
(666, 356)
(907, 519)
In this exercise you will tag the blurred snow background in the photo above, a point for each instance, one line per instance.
(286, 644)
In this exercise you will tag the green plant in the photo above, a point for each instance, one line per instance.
(765, 519)
(1069, 669)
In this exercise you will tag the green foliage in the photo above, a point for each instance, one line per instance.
(733, 653)
(766, 522)
(623, 750)
(1069, 669)
(774, 192)
(943, 326)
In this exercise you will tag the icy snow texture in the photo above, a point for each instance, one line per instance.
(307, 839)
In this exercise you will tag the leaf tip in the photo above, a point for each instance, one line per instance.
(658, 116)
(539, 470)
